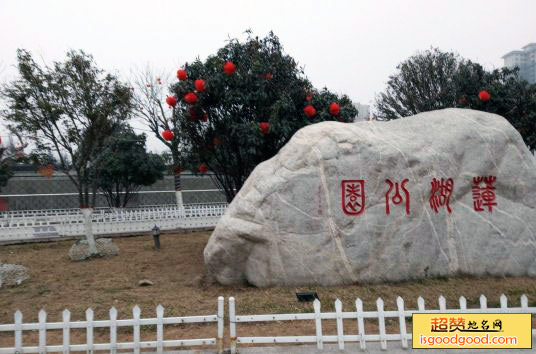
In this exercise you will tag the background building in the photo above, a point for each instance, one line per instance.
(525, 60)
(363, 112)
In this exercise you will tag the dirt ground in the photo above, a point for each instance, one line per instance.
(56, 283)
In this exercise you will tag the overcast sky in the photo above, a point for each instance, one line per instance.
(349, 46)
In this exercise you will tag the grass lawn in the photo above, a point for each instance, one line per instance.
(57, 283)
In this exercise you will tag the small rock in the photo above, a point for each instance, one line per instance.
(105, 247)
(12, 275)
(145, 282)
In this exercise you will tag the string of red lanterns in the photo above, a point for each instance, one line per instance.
(229, 69)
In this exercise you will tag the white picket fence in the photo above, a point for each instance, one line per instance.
(359, 315)
(69, 223)
(113, 324)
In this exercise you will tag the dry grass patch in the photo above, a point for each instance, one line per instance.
(57, 283)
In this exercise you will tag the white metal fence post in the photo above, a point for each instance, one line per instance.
(221, 305)
(402, 321)
(420, 304)
(504, 303)
(524, 302)
(42, 331)
(89, 330)
(381, 323)
(360, 324)
(340, 326)
(318, 325)
(136, 312)
(463, 303)
(66, 331)
(483, 302)
(232, 324)
(442, 303)
(160, 328)
(113, 330)
(18, 331)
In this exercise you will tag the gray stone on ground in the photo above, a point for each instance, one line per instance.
(145, 282)
(12, 275)
(286, 226)
(105, 247)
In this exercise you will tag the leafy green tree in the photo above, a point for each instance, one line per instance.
(10, 153)
(71, 109)
(250, 102)
(5, 170)
(435, 80)
(124, 166)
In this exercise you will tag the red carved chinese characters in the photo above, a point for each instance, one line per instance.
(397, 197)
(484, 196)
(441, 193)
(353, 196)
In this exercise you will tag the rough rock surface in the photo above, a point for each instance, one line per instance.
(286, 226)
(105, 247)
(12, 275)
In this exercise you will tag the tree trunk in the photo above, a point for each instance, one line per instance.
(88, 230)
(178, 187)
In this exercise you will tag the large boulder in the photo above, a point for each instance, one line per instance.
(321, 212)
(12, 275)
(105, 247)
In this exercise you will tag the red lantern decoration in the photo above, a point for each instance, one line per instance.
(229, 68)
(203, 168)
(309, 111)
(171, 100)
(484, 96)
(199, 85)
(46, 171)
(309, 98)
(190, 98)
(334, 109)
(269, 76)
(265, 127)
(181, 75)
(168, 135)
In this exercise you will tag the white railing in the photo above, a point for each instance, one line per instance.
(359, 315)
(10, 214)
(113, 324)
(110, 221)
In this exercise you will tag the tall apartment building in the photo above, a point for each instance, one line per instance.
(525, 60)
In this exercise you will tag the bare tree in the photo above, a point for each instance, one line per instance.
(150, 93)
